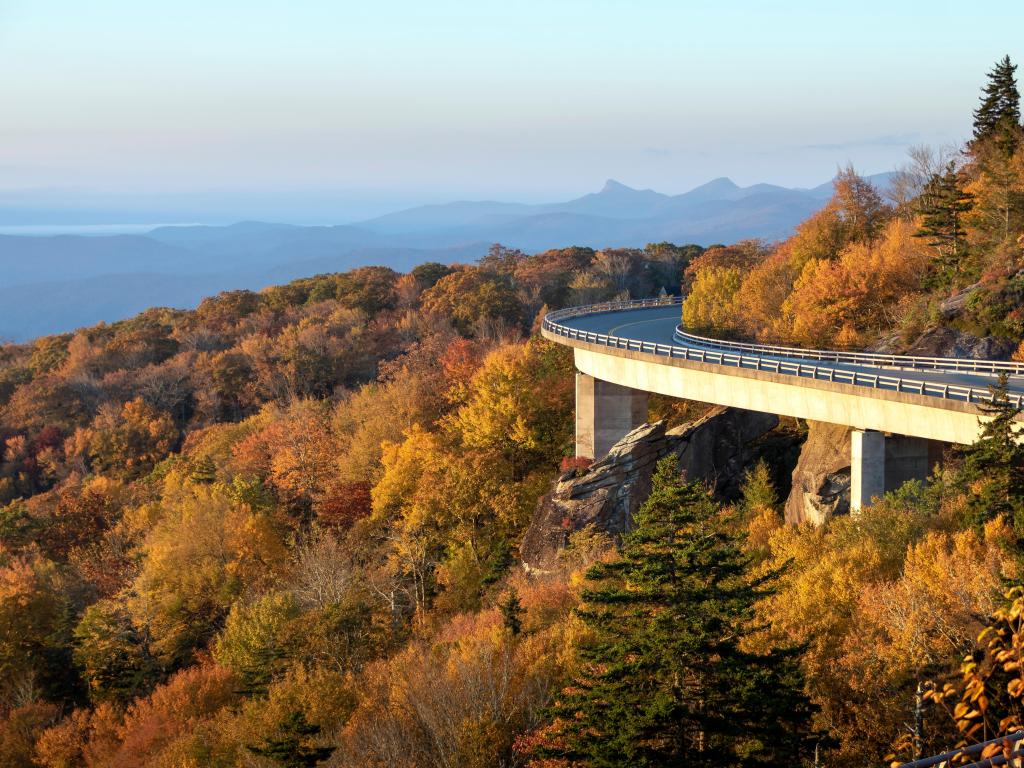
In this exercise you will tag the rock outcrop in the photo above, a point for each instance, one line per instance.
(607, 494)
(948, 341)
(821, 480)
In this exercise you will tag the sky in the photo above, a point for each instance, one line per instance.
(317, 111)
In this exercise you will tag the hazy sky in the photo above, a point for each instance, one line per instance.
(390, 102)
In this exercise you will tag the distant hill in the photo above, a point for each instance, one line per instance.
(57, 283)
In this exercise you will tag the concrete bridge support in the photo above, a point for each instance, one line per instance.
(867, 467)
(880, 463)
(605, 413)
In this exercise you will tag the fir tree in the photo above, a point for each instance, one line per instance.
(512, 612)
(942, 206)
(292, 749)
(994, 466)
(998, 117)
(665, 681)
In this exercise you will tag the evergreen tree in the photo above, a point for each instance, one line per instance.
(942, 205)
(665, 681)
(998, 116)
(292, 748)
(994, 466)
(512, 612)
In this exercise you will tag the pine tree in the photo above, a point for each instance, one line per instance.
(292, 748)
(512, 612)
(942, 205)
(998, 116)
(665, 681)
(994, 466)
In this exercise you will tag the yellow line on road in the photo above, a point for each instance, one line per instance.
(614, 331)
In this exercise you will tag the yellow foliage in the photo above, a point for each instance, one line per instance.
(709, 305)
(518, 405)
(203, 552)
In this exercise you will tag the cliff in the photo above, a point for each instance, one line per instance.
(713, 449)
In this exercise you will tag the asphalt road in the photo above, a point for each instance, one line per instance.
(657, 324)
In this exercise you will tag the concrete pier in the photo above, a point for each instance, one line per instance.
(880, 463)
(605, 413)
(867, 467)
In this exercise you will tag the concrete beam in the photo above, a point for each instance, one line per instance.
(867, 467)
(933, 418)
(605, 413)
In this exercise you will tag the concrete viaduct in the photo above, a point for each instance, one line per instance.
(902, 409)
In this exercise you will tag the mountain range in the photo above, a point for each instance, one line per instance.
(52, 284)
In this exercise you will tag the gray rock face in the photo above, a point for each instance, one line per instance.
(945, 341)
(949, 342)
(607, 494)
(821, 480)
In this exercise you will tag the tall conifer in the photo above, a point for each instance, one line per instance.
(666, 681)
(997, 118)
(942, 206)
(994, 465)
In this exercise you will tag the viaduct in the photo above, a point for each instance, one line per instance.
(903, 410)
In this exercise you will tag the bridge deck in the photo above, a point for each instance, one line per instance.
(657, 325)
(640, 347)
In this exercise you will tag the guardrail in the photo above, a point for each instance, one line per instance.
(916, 363)
(762, 361)
(1013, 741)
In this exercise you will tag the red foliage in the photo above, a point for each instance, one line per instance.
(577, 463)
(344, 504)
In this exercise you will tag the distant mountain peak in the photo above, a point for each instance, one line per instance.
(615, 186)
(722, 182)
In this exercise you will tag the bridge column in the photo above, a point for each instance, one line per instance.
(605, 413)
(867, 467)
(880, 463)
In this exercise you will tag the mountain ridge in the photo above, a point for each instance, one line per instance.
(181, 262)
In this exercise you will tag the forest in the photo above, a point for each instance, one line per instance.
(283, 529)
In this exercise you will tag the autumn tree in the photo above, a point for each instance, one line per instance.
(517, 405)
(128, 441)
(988, 700)
(35, 627)
(859, 205)
(470, 297)
(842, 301)
(709, 306)
(205, 550)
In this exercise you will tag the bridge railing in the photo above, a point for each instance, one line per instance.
(760, 360)
(1012, 741)
(912, 362)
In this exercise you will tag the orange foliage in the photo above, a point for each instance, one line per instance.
(841, 302)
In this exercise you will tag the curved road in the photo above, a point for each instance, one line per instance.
(657, 325)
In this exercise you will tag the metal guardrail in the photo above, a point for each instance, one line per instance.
(916, 363)
(762, 361)
(1012, 740)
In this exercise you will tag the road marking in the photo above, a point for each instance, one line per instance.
(614, 331)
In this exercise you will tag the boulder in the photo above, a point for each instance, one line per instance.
(607, 494)
(821, 480)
